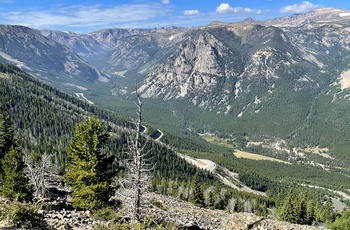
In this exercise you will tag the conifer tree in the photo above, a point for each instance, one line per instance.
(6, 133)
(342, 222)
(287, 211)
(15, 184)
(310, 211)
(197, 196)
(325, 213)
(90, 171)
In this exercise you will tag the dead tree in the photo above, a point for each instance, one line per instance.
(38, 169)
(134, 187)
(137, 150)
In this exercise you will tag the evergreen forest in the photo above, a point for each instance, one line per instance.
(90, 146)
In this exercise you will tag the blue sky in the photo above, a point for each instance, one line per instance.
(90, 15)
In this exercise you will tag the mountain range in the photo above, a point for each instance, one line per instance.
(44, 57)
(256, 84)
(264, 106)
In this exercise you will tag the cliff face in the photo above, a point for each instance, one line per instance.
(44, 57)
(93, 45)
(219, 65)
(214, 66)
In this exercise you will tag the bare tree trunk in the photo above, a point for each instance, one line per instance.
(38, 170)
(138, 162)
(134, 187)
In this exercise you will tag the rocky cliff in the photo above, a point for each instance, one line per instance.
(44, 57)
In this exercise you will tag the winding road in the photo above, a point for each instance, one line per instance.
(228, 178)
(200, 163)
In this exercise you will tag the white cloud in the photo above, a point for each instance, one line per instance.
(225, 8)
(165, 1)
(83, 16)
(248, 10)
(300, 8)
(191, 12)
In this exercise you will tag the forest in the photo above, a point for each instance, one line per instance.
(89, 147)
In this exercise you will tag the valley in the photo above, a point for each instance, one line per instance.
(242, 154)
(255, 113)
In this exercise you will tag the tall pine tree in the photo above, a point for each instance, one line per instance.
(197, 196)
(15, 184)
(6, 133)
(90, 171)
(287, 212)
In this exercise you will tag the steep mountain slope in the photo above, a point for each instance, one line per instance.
(255, 83)
(93, 45)
(309, 17)
(104, 44)
(141, 51)
(219, 63)
(44, 119)
(275, 87)
(44, 57)
(265, 82)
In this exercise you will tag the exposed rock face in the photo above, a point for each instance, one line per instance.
(93, 45)
(143, 51)
(193, 67)
(43, 57)
(312, 16)
(214, 66)
(220, 64)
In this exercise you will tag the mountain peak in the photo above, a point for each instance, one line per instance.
(311, 16)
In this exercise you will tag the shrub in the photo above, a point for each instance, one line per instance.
(21, 215)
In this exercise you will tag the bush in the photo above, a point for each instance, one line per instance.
(106, 214)
(21, 215)
(158, 204)
(342, 222)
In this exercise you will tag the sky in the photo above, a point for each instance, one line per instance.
(85, 16)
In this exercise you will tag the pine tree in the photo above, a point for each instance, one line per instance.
(342, 222)
(310, 211)
(287, 211)
(90, 171)
(301, 208)
(197, 196)
(325, 213)
(6, 133)
(15, 184)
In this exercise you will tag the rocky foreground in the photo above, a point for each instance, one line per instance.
(60, 214)
(189, 216)
(184, 214)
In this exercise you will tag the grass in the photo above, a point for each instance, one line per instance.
(252, 156)
(211, 138)
(319, 151)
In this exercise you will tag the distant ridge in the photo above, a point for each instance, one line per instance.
(312, 16)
